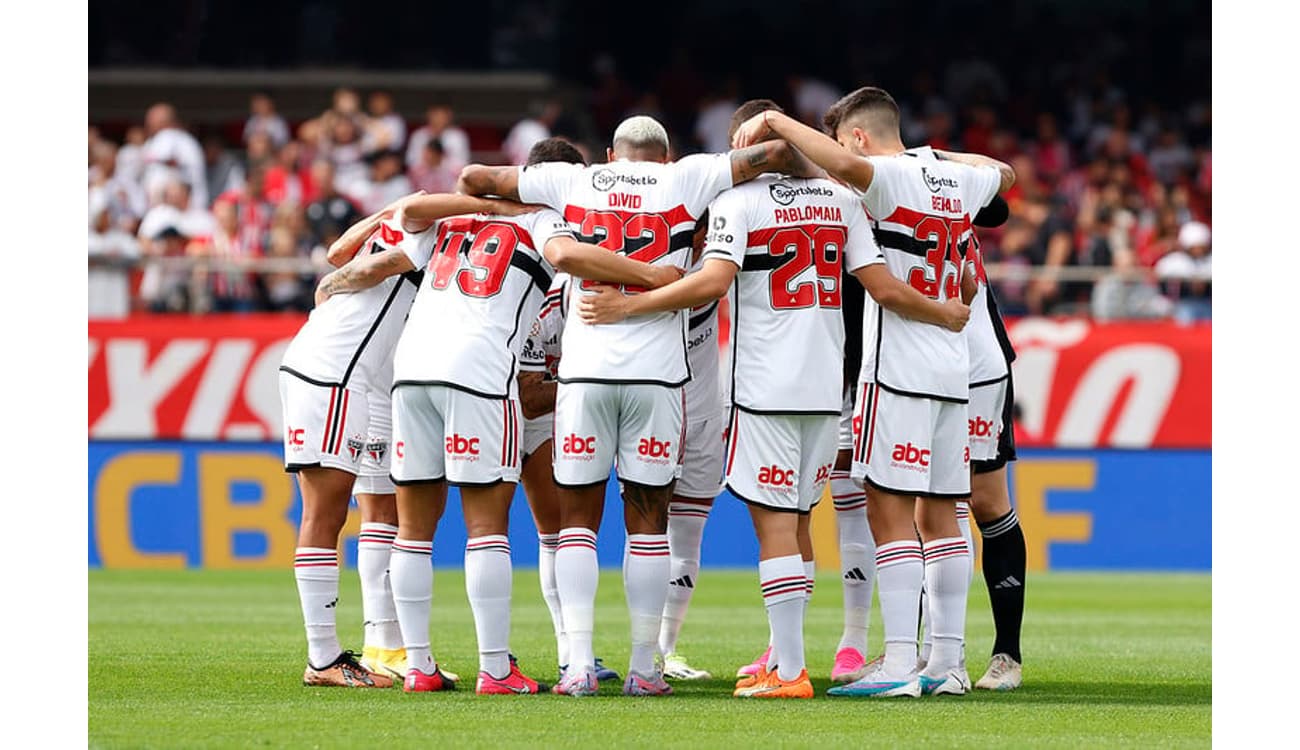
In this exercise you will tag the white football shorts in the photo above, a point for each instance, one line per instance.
(440, 432)
(984, 419)
(323, 425)
(846, 422)
(701, 477)
(376, 457)
(780, 461)
(910, 445)
(536, 432)
(637, 426)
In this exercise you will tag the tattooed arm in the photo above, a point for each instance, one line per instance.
(346, 246)
(821, 149)
(477, 179)
(770, 156)
(536, 395)
(363, 272)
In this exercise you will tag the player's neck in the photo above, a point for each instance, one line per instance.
(892, 148)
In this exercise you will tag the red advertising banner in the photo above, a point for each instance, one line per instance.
(1078, 384)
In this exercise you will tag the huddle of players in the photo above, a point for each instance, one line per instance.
(625, 390)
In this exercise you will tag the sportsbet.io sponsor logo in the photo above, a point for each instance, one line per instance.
(935, 184)
(605, 179)
(785, 194)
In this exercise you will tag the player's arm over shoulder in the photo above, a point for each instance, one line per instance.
(479, 179)
(1006, 175)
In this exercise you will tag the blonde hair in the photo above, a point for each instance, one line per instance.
(641, 131)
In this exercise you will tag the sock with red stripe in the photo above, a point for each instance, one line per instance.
(963, 523)
(646, 563)
(857, 559)
(317, 571)
(411, 573)
(784, 585)
(947, 581)
(685, 533)
(374, 545)
(809, 581)
(576, 576)
(488, 584)
(899, 572)
(546, 544)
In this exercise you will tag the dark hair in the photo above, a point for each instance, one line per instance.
(554, 149)
(870, 100)
(748, 110)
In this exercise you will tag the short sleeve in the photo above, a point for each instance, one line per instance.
(984, 184)
(887, 173)
(548, 183)
(544, 226)
(418, 246)
(728, 234)
(700, 178)
(860, 248)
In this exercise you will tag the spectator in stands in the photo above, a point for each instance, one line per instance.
(226, 286)
(178, 209)
(385, 130)
(109, 285)
(714, 118)
(259, 149)
(1126, 293)
(1050, 151)
(130, 157)
(345, 151)
(386, 183)
(433, 172)
(125, 202)
(263, 118)
(811, 97)
(284, 181)
(224, 171)
(253, 211)
(170, 153)
(331, 212)
(1170, 160)
(439, 127)
(1185, 273)
(167, 290)
(282, 291)
(530, 130)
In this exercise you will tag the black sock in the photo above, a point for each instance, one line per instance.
(1004, 574)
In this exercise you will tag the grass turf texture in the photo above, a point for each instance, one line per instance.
(215, 659)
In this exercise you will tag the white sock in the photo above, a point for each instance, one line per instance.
(685, 533)
(927, 638)
(963, 523)
(646, 564)
(899, 571)
(809, 582)
(317, 571)
(374, 545)
(785, 595)
(488, 584)
(546, 544)
(411, 574)
(857, 559)
(576, 576)
(947, 581)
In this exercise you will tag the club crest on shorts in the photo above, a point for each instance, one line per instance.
(376, 450)
(355, 446)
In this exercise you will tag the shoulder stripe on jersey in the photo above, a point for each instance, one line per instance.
(529, 265)
(383, 311)
(700, 318)
(910, 245)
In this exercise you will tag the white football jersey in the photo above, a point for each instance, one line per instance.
(485, 281)
(988, 360)
(350, 338)
(703, 394)
(647, 211)
(921, 210)
(792, 239)
(541, 352)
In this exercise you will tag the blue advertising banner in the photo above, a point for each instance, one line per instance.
(230, 505)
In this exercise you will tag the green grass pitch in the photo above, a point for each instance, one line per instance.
(215, 659)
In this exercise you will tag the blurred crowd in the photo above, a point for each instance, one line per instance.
(1111, 204)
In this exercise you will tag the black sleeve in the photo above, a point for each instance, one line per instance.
(995, 214)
